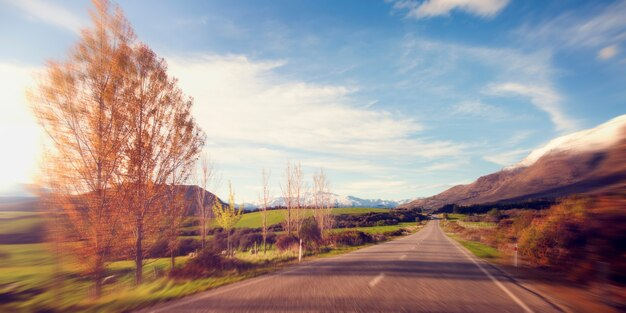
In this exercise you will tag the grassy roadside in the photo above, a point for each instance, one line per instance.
(26, 279)
(479, 249)
(567, 295)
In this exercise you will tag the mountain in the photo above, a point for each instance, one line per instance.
(190, 194)
(338, 201)
(591, 161)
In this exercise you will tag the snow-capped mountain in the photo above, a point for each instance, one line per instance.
(337, 201)
(594, 139)
(591, 161)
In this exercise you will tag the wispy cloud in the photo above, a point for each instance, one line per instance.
(50, 13)
(430, 64)
(432, 8)
(441, 166)
(544, 98)
(597, 27)
(480, 109)
(507, 158)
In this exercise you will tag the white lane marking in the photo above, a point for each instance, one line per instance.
(509, 293)
(402, 257)
(376, 280)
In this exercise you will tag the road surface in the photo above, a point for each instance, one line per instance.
(423, 272)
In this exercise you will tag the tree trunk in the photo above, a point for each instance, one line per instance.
(172, 261)
(139, 254)
(203, 223)
(228, 244)
(288, 220)
(98, 278)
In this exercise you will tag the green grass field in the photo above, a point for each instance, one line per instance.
(16, 222)
(16, 214)
(254, 219)
(476, 225)
(379, 229)
(455, 217)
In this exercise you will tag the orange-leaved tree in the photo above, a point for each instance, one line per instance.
(80, 103)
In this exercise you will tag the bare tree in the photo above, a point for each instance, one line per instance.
(227, 216)
(298, 193)
(287, 192)
(265, 199)
(321, 201)
(80, 104)
(206, 174)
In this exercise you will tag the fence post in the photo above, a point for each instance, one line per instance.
(516, 254)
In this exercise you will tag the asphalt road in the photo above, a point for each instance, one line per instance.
(423, 272)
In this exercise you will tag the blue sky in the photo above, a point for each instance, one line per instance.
(394, 99)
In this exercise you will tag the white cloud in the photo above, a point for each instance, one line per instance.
(607, 52)
(507, 158)
(242, 101)
(431, 8)
(255, 117)
(543, 97)
(50, 13)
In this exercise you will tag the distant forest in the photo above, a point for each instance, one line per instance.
(531, 204)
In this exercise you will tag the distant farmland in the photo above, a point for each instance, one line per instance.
(254, 219)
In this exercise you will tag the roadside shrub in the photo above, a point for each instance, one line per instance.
(379, 237)
(310, 233)
(285, 242)
(395, 233)
(188, 232)
(214, 230)
(349, 238)
(209, 262)
(158, 249)
(187, 245)
(275, 228)
(494, 215)
(247, 241)
(555, 239)
(271, 238)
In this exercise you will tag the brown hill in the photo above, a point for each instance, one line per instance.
(557, 173)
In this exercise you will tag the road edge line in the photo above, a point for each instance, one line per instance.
(520, 283)
(497, 282)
